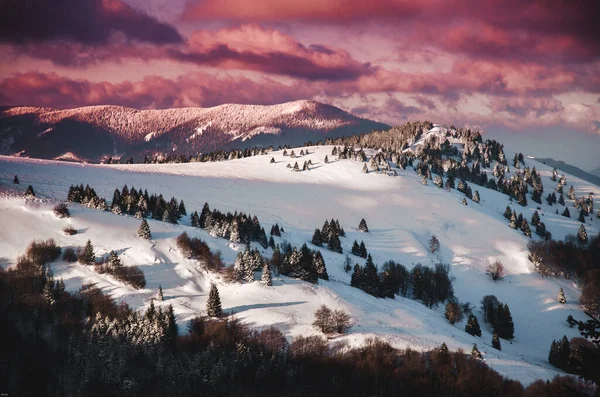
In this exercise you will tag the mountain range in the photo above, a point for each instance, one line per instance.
(94, 132)
(592, 176)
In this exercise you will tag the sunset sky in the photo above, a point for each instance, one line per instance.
(504, 66)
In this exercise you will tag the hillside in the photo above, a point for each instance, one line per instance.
(592, 176)
(402, 214)
(94, 132)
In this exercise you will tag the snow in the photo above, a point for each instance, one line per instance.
(150, 136)
(402, 214)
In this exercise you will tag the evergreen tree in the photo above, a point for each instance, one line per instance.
(508, 213)
(16, 180)
(213, 304)
(356, 278)
(159, 296)
(169, 216)
(561, 297)
(496, 342)
(370, 279)
(475, 353)
(319, 265)
(316, 238)
(472, 327)
(464, 201)
(334, 244)
(266, 278)
(476, 196)
(88, 257)
(566, 213)
(204, 215)
(525, 228)
(272, 160)
(326, 160)
(172, 329)
(355, 248)
(29, 192)
(571, 194)
(182, 211)
(582, 236)
(504, 325)
(362, 226)
(561, 199)
(535, 219)
(144, 230)
(114, 263)
(365, 169)
(271, 242)
(362, 250)
(581, 217)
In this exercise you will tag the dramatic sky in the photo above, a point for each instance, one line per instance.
(504, 66)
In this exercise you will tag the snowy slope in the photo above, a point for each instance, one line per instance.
(401, 213)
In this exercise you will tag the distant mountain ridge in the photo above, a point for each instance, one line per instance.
(571, 169)
(94, 132)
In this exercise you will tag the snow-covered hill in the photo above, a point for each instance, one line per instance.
(120, 131)
(402, 214)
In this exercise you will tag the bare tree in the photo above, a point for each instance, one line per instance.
(495, 270)
(434, 244)
(341, 321)
(453, 312)
(323, 319)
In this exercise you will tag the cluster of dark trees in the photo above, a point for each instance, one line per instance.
(86, 196)
(329, 234)
(195, 248)
(497, 314)
(236, 227)
(359, 249)
(519, 222)
(303, 263)
(249, 262)
(422, 283)
(571, 259)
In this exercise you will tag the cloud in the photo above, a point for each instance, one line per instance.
(92, 22)
(197, 89)
(564, 29)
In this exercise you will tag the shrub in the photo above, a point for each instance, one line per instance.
(453, 312)
(62, 211)
(194, 248)
(69, 255)
(495, 270)
(40, 252)
(69, 231)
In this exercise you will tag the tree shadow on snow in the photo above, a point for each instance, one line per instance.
(238, 309)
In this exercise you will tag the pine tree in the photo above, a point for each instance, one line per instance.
(204, 215)
(475, 353)
(496, 341)
(271, 242)
(89, 257)
(508, 213)
(16, 180)
(334, 244)
(144, 230)
(571, 194)
(476, 196)
(561, 297)
(362, 250)
(272, 160)
(504, 324)
(535, 219)
(266, 278)
(566, 213)
(316, 238)
(213, 304)
(581, 217)
(525, 228)
(356, 278)
(159, 296)
(319, 266)
(561, 199)
(326, 160)
(362, 226)
(472, 327)
(582, 236)
(182, 211)
(464, 201)
(29, 192)
(296, 167)
(114, 263)
(355, 248)
(172, 328)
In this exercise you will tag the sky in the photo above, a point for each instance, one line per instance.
(525, 67)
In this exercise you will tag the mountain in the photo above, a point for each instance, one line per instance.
(573, 170)
(402, 209)
(596, 172)
(93, 132)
